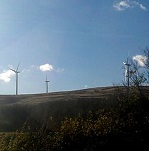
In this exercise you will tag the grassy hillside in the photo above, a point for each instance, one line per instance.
(15, 110)
(89, 119)
(101, 92)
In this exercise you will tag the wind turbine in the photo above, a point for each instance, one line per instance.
(16, 72)
(47, 81)
(127, 72)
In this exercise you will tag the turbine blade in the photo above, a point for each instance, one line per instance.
(46, 77)
(13, 70)
(18, 66)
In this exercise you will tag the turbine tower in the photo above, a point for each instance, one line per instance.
(47, 81)
(127, 72)
(16, 72)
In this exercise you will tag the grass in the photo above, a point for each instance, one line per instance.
(15, 110)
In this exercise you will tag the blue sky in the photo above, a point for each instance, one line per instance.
(77, 44)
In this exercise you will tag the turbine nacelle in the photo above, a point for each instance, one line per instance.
(47, 81)
(16, 72)
(126, 64)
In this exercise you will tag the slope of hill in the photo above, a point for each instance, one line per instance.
(92, 119)
(83, 94)
(16, 110)
(97, 93)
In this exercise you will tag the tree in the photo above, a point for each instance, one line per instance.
(138, 76)
(140, 69)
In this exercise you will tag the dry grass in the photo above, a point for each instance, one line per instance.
(99, 92)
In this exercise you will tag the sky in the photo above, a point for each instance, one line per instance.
(76, 44)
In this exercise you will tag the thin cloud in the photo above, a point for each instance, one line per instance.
(139, 5)
(121, 5)
(46, 67)
(142, 7)
(59, 70)
(126, 4)
(141, 60)
(6, 75)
